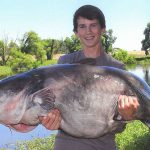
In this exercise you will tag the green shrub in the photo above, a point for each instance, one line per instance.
(49, 62)
(136, 136)
(37, 144)
(123, 56)
(21, 62)
(37, 64)
(144, 61)
(5, 71)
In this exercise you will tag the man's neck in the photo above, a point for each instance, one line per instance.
(93, 52)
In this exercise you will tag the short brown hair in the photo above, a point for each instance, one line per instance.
(89, 12)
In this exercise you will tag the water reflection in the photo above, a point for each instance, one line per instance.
(141, 71)
(146, 77)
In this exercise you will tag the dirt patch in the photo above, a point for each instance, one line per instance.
(137, 53)
(56, 56)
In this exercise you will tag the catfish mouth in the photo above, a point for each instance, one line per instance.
(21, 127)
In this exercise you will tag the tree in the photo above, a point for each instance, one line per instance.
(146, 41)
(52, 46)
(32, 44)
(72, 44)
(108, 40)
(3, 53)
(20, 62)
(5, 50)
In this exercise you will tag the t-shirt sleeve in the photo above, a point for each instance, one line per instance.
(66, 59)
(60, 60)
(63, 59)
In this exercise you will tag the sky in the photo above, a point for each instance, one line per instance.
(53, 19)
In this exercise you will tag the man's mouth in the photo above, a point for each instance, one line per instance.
(89, 38)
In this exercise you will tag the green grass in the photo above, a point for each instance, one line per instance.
(136, 136)
(141, 58)
(144, 61)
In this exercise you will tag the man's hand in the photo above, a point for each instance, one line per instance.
(127, 106)
(52, 120)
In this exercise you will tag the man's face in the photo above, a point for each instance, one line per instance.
(89, 32)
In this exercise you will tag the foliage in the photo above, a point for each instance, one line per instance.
(72, 44)
(5, 50)
(21, 62)
(123, 56)
(37, 144)
(144, 62)
(146, 41)
(49, 62)
(135, 137)
(29, 41)
(5, 71)
(52, 46)
(32, 44)
(108, 40)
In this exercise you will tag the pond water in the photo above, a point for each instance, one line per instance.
(141, 71)
(9, 137)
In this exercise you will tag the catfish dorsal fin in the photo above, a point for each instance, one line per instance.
(87, 61)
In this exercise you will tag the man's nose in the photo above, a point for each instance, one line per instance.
(88, 29)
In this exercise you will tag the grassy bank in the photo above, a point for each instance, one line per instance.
(136, 136)
(141, 58)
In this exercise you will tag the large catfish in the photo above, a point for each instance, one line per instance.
(85, 95)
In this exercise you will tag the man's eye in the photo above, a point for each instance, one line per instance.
(93, 25)
(81, 26)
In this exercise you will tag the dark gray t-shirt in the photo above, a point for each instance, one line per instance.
(103, 60)
(107, 142)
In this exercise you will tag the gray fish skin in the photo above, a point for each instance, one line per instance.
(85, 95)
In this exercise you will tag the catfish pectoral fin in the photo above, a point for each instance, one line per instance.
(45, 98)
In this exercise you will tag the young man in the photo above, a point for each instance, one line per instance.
(89, 25)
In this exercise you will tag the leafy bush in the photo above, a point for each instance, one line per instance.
(21, 62)
(37, 64)
(135, 137)
(5, 71)
(123, 56)
(49, 62)
(37, 144)
(144, 61)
